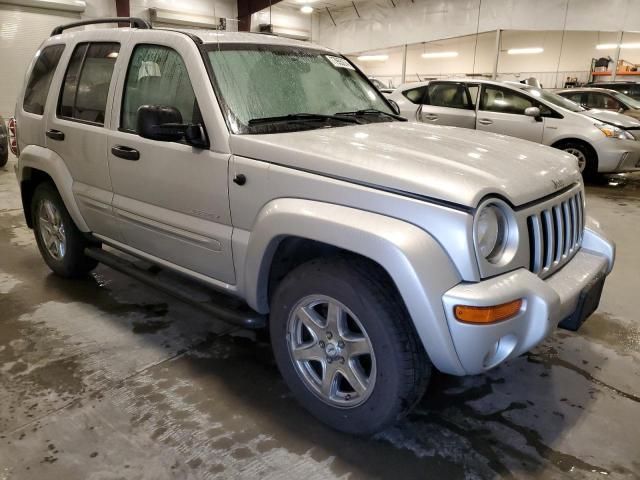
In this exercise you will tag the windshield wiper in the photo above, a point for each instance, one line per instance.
(301, 117)
(372, 111)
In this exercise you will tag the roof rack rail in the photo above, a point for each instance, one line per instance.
(133, 21)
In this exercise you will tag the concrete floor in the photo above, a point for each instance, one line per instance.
(106, 379)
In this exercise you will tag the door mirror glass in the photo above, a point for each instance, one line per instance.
(164, 123)
(158, 122)
(532, 112)
(394, 106)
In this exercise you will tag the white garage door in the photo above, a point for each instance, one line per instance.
(22, 30)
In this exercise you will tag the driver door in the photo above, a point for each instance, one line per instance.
(501, 110)
(170, 198)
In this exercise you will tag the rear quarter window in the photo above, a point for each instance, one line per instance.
(35, 95)
(415, 95)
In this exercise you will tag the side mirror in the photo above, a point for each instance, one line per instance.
(533, 112)
(394, 106)
(164, 123)
(622, 109)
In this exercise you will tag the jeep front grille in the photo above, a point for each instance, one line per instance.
(555, 234)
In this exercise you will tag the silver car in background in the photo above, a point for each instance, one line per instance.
(599, 139)
(603, 99)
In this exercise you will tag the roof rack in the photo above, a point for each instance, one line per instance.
(133, 21)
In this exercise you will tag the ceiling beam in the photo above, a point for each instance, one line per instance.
(247, 7)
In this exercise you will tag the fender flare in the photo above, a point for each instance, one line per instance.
(421, 270)
(40, 158)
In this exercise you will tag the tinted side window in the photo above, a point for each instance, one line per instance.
(35, 95)
(415, 95)
(86, 82)
(502, 100)
(600, 100)
(574, 97)
(452, 95)
(157, 76)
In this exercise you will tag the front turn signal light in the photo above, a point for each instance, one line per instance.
(486, 315)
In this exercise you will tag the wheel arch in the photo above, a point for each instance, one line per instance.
(37, 164)
(406, 253)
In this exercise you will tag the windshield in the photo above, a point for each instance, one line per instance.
(268, 88)
(627, 100)
(555, 99)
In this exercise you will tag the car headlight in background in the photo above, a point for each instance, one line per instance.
(495, 232)
(614, 132)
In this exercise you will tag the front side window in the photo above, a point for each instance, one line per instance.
(603, 101)
(574, 97)
(503, 100)
(35, 95)
(86, 82)
(452, 95)
(157, 75)
(269, 88)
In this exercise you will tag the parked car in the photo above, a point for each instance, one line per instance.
(4, 143)
(375, 249)
(381, 86)
(603, 99)
(631, 89)
(526, 112)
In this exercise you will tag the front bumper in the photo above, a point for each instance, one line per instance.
(615, 155)
(546, 303)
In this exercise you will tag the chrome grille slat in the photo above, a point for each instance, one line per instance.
(555, 232)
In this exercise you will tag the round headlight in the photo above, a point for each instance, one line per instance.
(491, 232)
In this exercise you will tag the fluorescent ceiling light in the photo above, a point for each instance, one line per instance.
(525, 51)
(611, 46)
(307, 9)
(440, 55)
(373, 58)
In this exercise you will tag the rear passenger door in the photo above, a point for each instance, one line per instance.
(75, 129)
(448, 103)
(171, 198)
(31, 118)
(501, 110)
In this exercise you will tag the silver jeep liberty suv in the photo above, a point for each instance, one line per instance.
(274, 172)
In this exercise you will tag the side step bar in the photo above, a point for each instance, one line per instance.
(222, 307)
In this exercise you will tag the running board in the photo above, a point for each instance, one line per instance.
(223, 307)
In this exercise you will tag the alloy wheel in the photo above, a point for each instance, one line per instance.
(582, 159)
(331, 351)
(52, 229)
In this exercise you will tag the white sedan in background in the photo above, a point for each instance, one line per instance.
(602, 141)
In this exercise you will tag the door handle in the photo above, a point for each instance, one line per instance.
(485, 121)
(127, 153)
(55, 134)
(430, 116)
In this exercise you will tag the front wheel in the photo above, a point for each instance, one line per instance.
(345, 346)
(60, 242)
(587, 160)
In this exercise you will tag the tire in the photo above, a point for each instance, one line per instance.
(398, 369)
(586, 156)
(49, 214)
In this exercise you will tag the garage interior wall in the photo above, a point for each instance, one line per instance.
(18, 49)
(567, 54)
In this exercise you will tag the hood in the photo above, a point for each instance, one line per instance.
(450, 164)
(613, 118)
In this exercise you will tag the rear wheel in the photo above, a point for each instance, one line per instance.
(60, 242)
(345, 345)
